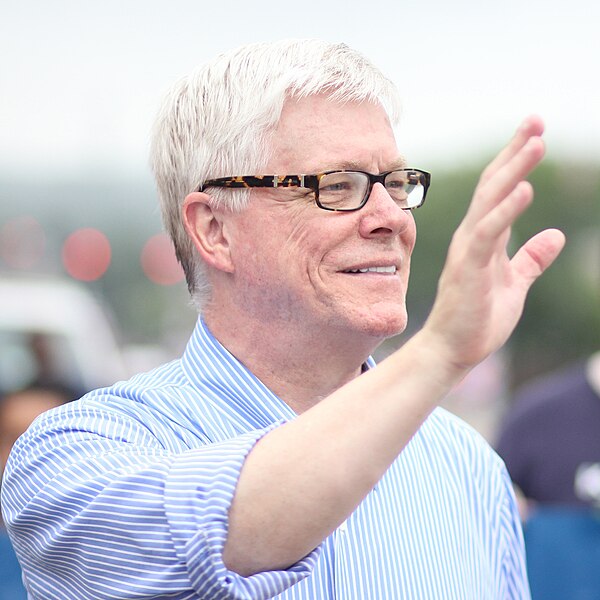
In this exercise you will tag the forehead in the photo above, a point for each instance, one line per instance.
(316, 133)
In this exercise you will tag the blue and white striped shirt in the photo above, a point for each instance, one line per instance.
(125, 494)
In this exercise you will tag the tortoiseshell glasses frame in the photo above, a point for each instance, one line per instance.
(341, 190)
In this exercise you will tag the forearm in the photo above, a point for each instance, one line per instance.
(305, 478)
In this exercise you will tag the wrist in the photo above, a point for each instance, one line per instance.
(437, 356)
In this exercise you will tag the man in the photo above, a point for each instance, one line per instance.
(273, 460)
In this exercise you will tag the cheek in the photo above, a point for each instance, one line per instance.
(301, 247)
(409, 245)
(301, 240)
(271, 254)
(285, 246)
(409, 235)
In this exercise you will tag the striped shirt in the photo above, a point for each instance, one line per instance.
(125, 494)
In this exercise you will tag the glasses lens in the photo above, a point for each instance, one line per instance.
(343, 190)
(406, 188)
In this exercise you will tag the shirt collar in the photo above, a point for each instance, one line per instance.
(213, 369)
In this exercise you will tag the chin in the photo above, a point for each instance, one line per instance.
(382, 324)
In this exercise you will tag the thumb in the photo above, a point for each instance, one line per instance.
(537, 254)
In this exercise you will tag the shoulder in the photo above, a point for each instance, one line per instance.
(457, 450)
(151, 409)
(450, 431)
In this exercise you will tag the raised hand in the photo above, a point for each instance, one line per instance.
(482, 290)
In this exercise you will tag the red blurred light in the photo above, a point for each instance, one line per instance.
(159, 262)
(86, 254)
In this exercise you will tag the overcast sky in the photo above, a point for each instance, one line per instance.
(80, 80)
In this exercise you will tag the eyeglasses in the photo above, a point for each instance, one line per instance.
(341, 190)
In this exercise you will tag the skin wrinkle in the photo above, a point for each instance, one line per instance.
(297, 288)
(284, 309)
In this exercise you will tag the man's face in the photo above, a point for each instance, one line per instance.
(297, 264)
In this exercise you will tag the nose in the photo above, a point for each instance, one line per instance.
(382, 217)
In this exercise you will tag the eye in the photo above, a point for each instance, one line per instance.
(340, 186)
(395, 183)
(338, 183)
(396, 180)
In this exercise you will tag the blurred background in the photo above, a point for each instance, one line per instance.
(82, 254)
(89, 288)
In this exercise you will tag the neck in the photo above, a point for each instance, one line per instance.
(300, 365)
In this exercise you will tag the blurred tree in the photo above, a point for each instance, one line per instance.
(561, 321)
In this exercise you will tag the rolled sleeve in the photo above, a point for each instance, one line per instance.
(198, 494)
(92, 517)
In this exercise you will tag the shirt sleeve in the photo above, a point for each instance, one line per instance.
(97, 509)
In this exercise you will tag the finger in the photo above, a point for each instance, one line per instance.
(532, 126)
(536, 255)
(491, 193)
(494, 230)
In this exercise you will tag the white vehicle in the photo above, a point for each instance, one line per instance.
(55, 329)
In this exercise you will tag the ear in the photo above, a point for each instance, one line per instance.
(206, 226)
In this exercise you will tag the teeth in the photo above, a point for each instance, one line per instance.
(390, 269)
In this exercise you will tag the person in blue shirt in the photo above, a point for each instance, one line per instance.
(274, 459)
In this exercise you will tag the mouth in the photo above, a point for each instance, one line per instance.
(387, 269)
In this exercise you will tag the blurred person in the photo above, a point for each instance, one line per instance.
(550, 441)
(18, 409)
(51, 366)
(550, 438)
(41, 348)
(274, 459)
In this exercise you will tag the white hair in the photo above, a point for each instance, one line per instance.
(217, 122)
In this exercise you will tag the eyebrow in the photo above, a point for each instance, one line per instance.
(351, 165)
